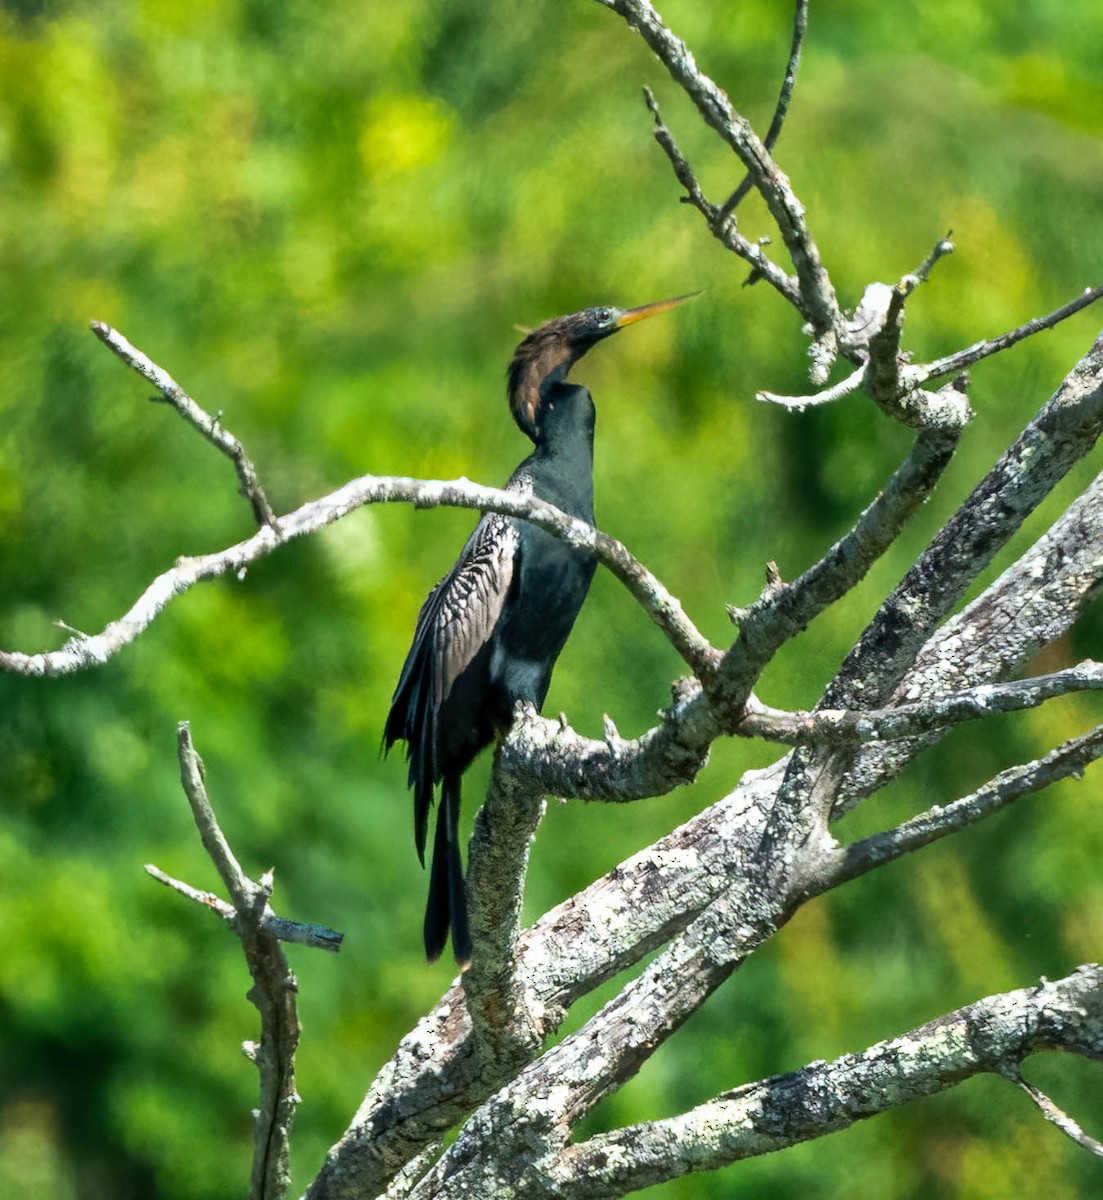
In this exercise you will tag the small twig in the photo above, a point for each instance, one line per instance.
(836, 392)
(817, 300)
(800, 27)
(724, 229)
(1055, 1115)
(961, 359)
(207, 899)
(319, 937)
(210, 427)
(942, 247)
(898, 398)
(242, 891)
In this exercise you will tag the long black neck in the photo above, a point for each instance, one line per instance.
(562, 465)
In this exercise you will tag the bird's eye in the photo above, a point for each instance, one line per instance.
(605, 316)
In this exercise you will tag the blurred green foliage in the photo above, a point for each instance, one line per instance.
(326, 221)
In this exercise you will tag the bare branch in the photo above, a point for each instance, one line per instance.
(441, 1073)
(533, 1114)
(786, 609)
(665, 610)
(642, 903)
(1068, 759)
(884, 367)
(210, 427)
(993, 1035)
(826, 726)
(1064, 430)
(1030, 605)
(207, 899)
(273, 992)
(941, 248)
(818, 303)
(242, 890)
(502, 1012)
(800, 27)
(724, 229)
(837, 391)
(961, 359)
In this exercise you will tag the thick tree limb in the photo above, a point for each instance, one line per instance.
(502, 1011)
(991, 1036)
(562, 762)
(1065, 429)
(1063, 432)
(621, 917)
(535, 1111)
(440, 1072)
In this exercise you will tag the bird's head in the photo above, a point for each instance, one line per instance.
(548, 353)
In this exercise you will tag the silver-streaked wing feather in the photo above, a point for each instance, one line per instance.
(470, 601)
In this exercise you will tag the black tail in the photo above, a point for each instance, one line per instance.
(446, 910)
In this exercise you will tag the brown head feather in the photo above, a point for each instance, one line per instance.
(550, 351)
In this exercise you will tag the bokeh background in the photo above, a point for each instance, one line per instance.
(327, 221)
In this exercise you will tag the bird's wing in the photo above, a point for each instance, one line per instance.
(455, 622)
(467, 603)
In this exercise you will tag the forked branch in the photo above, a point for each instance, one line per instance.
(816, 295)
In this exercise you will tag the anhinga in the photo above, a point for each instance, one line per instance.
(489, 633)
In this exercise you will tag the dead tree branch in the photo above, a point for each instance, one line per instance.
(816, 295)
(700, 901)
(825, 727)
(85, 651)
(991, 1036)
(210, 427)
(274, 988)
(781, 110)
(962, 359)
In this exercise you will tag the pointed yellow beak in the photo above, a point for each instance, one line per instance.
(629, 316)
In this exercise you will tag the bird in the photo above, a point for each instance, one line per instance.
(489, 633)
